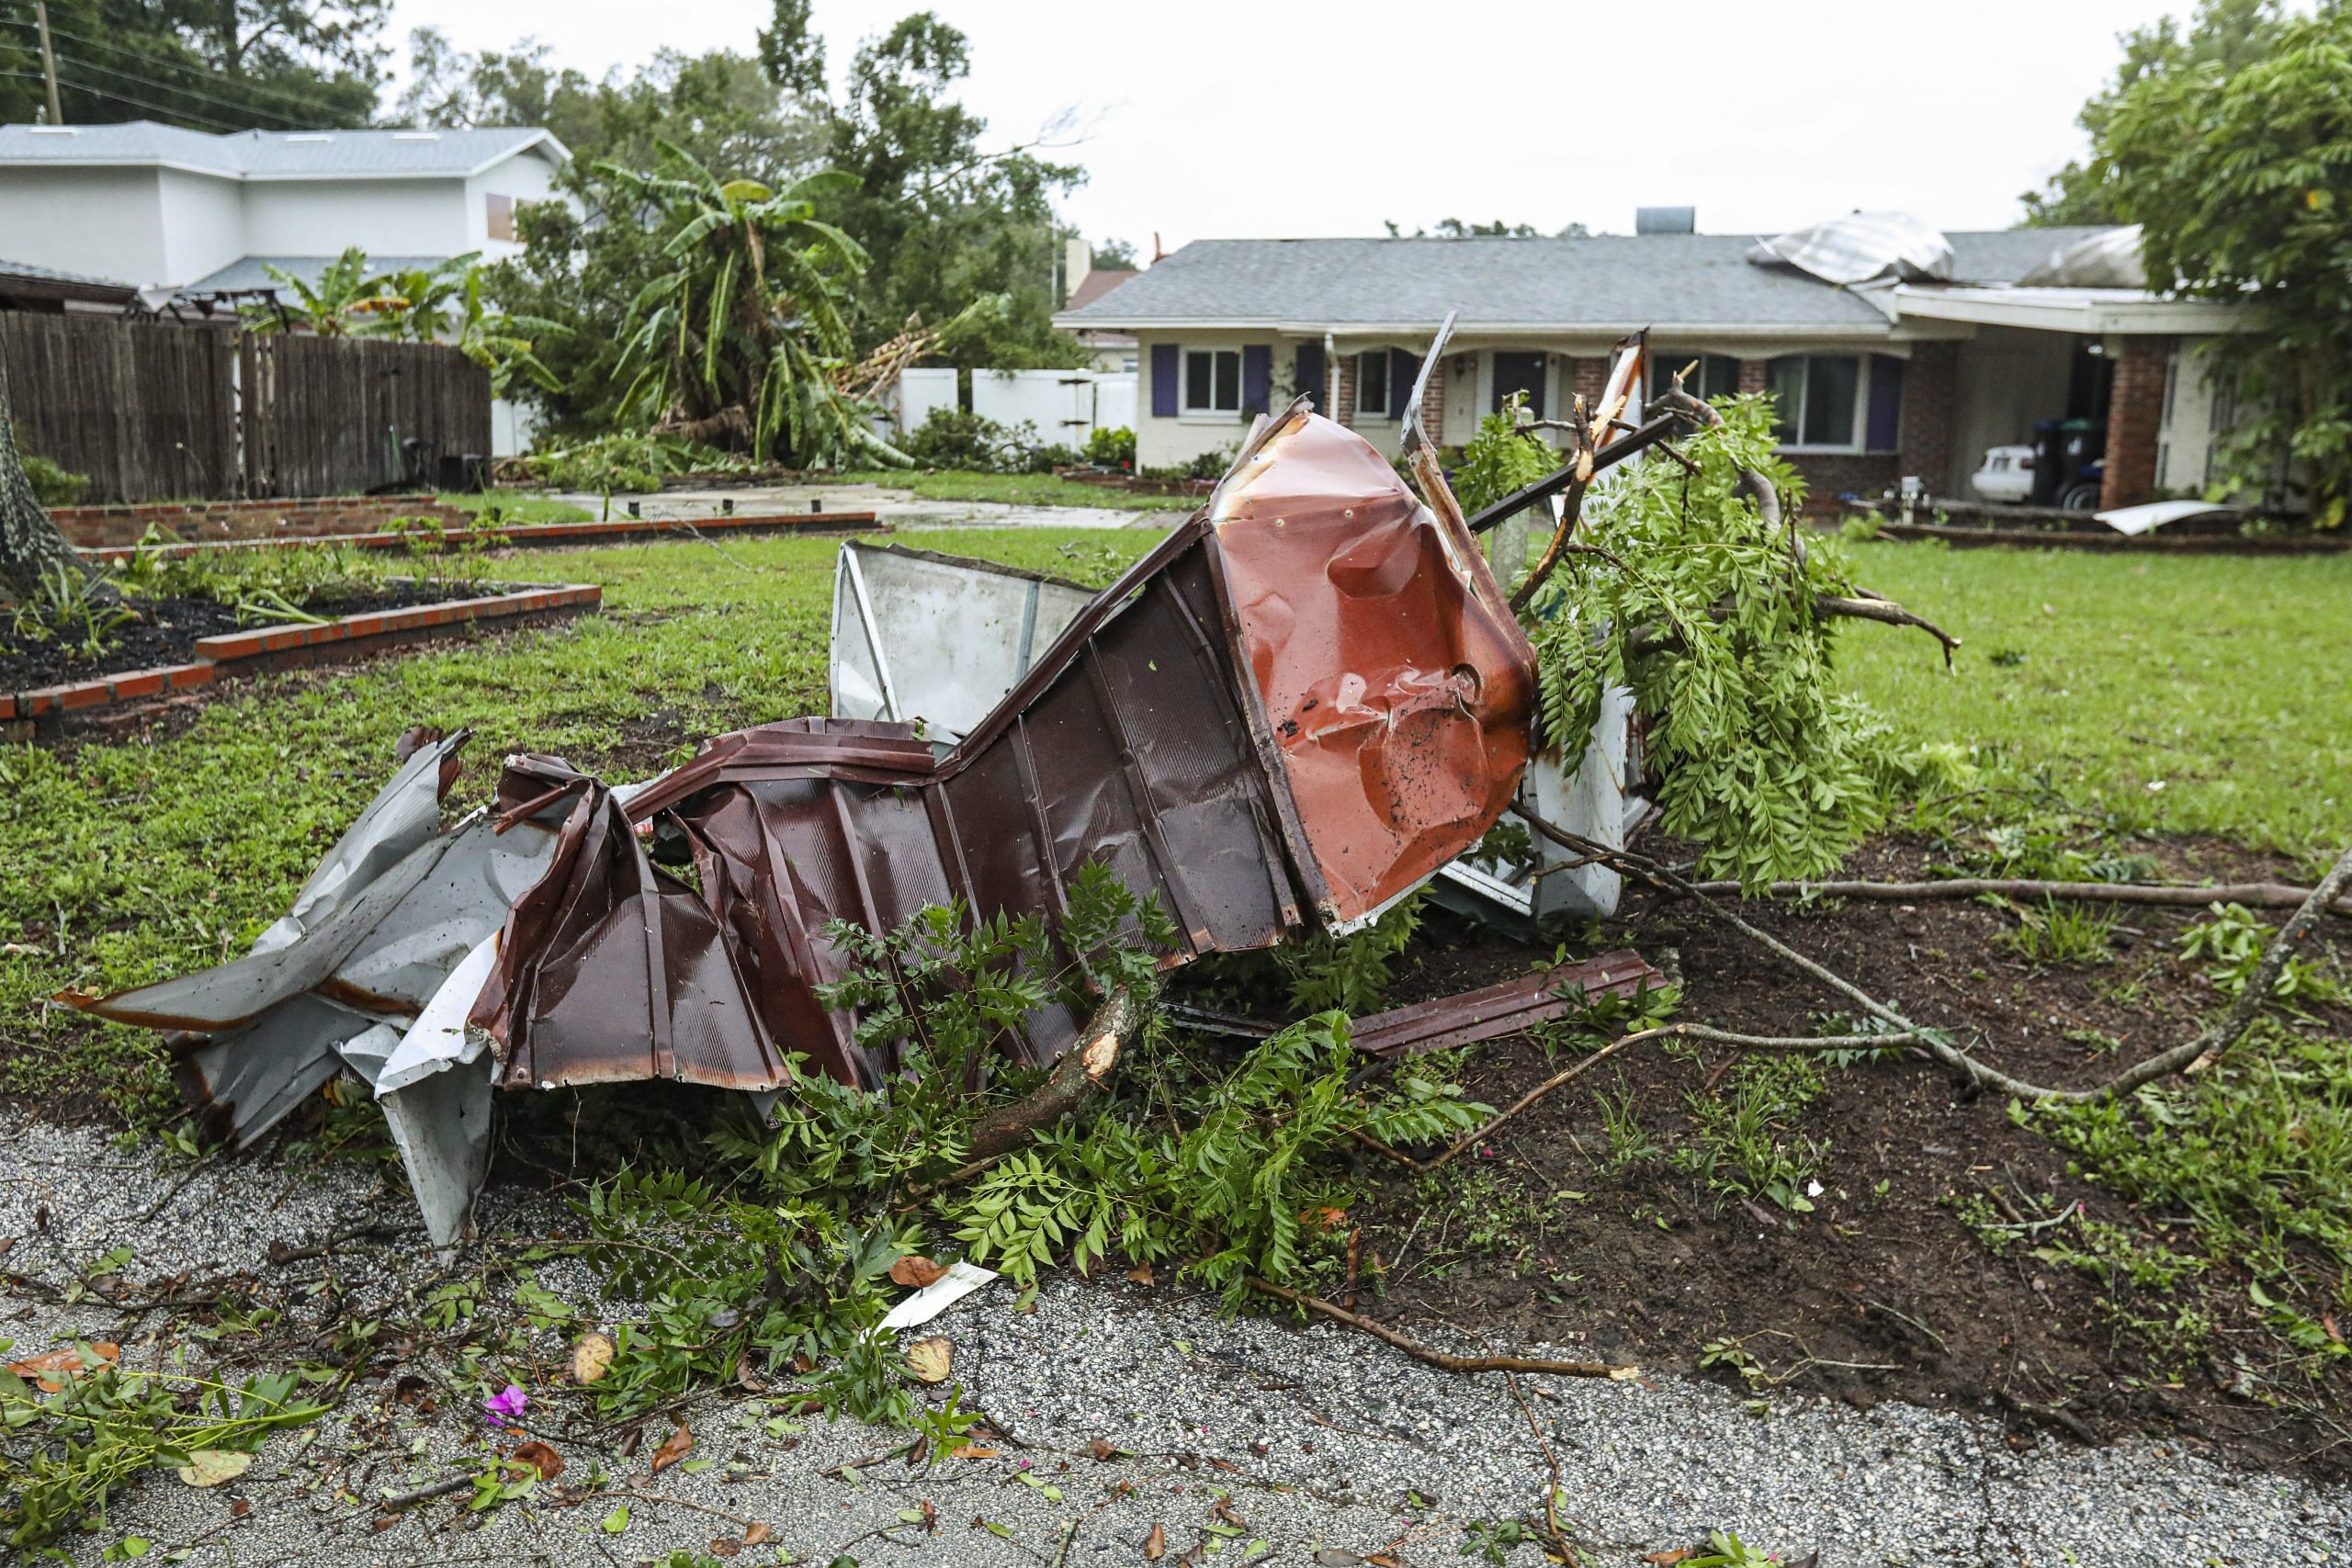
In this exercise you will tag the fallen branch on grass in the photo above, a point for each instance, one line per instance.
(2253, 894)
(2207, 1044)
(1451, 1363)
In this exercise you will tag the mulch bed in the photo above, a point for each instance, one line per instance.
(168, 629)
(1650, 1267)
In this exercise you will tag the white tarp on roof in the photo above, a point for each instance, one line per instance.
(2107, 260)
(1861, 246)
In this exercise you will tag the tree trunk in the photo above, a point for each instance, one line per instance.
(32, 551)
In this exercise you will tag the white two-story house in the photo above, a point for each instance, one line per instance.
(159, 206)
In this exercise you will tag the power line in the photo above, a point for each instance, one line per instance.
(136, 53)
(123, 99)
(177, 91)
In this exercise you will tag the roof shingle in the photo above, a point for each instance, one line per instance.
(274, 154)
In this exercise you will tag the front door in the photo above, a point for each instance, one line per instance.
(1520, 373)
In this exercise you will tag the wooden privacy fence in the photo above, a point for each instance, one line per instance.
(159, 411)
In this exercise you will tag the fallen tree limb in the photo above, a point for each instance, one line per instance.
(1078, 1077)
(2211, 1041)
(2253, 894)
(1829, 606)
(1452, 1363)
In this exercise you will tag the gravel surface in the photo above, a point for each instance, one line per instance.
(1249, 1437)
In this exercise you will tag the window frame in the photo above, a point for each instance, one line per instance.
(1387, 362)
(492, 219)
(1857, 442)
(1207, 412)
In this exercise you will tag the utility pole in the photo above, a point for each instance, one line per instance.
(48, 61)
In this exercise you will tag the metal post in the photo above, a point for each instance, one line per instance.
(48, 61)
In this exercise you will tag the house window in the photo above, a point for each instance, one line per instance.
(1716, 376)
(1212, 380)
(1371, 383)
(501, 216)
(1817, 401)
(1520, 374)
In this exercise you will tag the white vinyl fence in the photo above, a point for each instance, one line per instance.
(1064, 406)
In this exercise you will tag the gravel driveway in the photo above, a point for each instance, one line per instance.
(1240, 1440)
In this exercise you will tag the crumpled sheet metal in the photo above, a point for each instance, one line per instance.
(1306, 698)
(1291, 711)
(1398, 685)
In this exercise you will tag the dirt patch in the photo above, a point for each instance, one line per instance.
(1881, 1291)
(167, 630)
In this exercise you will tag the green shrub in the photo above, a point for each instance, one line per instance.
(53, 485)
(1112, 448)
(957, 438)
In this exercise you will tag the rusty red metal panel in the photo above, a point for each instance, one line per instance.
(1396, 685)
(1510, 1008)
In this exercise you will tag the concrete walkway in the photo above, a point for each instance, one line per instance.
(900, 508)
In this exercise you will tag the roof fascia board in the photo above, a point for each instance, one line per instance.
(2089, 318)
(10, 167)
(1859, 332)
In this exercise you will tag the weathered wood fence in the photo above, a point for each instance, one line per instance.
(158, 411)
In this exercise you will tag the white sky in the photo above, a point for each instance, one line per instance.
(1222, 119)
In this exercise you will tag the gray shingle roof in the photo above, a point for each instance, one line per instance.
(250, 272)
(52, 274)
(274, 155)
(1605, 281)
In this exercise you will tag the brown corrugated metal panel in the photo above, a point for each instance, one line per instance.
(1510, 1007)
(1315, 589)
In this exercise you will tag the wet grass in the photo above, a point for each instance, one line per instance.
(1017, 490)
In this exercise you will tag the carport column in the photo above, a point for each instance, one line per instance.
(2135, 418)
(1930, 384)
(1433, 404)
(1587, 378)
(1755, 375)
(1346, 412)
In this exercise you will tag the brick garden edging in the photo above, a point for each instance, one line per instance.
(296, 517)
(261, 648)
(815, 524)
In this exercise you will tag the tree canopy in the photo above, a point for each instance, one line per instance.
(208, 65)
(2231, 145)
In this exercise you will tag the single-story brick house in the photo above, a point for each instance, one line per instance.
(1877, 380)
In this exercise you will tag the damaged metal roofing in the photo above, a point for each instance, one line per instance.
(1302, 702)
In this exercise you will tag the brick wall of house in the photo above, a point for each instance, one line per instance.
(1433, 404)
(1755, 375)
(1346, 411)
(1828, 475)
(1931, 409)
(1587, 378)
(2136, 417)
(99, 526)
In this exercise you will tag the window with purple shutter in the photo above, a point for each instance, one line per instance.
(1313, 375)
(1885, 432)
(1257, 378)
(1164, 380)
(1403, 368)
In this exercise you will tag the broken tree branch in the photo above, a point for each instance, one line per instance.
(1421, 1352)
(1829, 606)
(2253, 894)
(1078, 1077)
(2207, 1042)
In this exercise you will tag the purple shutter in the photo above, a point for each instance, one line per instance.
(1164, 380)
(1402, 368)
(1313, 376)
(1257, 378)
(1883, 431)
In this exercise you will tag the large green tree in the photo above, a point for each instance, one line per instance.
(2240, 174)
(2223, 35)
(208, 65)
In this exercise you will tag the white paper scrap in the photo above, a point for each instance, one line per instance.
(960, 1281)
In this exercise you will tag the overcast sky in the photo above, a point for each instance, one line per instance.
(1220, 117)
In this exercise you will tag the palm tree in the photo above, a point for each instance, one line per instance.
(495, 340)
(346, 295)
(737, 344)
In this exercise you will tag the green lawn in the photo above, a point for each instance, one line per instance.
(517, 508)
(1017, 490)
(2221, 678)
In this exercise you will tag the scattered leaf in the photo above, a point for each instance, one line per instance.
(1102, 1448)
(1001, 1533)
(210, 1467)
(540, 1457)
(676, 1447)
(135, 1546)
(617, 1520)
(1226, 1465)
(972, 1451)
(51, 1368)
(1155, 1545)
(725, 1546)
(1141, 1274)
(757, 1533)
(1668, 1559)
(1624, 1374)
(914, 1272)
(929, 1361)
(1332, 1557)
(591, 1358)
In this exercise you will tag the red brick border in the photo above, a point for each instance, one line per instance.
(817, 524)
(285, 646)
